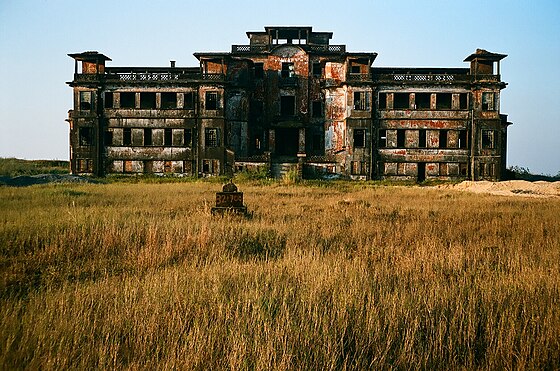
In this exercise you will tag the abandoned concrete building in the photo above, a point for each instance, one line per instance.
(289, 101)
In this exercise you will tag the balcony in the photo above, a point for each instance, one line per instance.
(133, 76)
(290, 81)
(428, 78)
(358, 77)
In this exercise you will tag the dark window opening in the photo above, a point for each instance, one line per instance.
(443, 139)
(168, 137)
(287, 105)
(108, 101)
(127, 137)
(443, 100)
(317, 108)
(359, 138)
(382, 139)
(211, 138)
(355, 69)
(317, 142)
(382, 100)
(128, 100)
(188, 100)
(168, 100)
(401, 101)
(423, 100)
(488, 101)
(421, 172)
(463, 168)
(147, 137)
(361, 100)
(187, 140)
(463, 101)
(148, 100)
(422, 138)
(317, 69)
(211, 100)
(488, 139)
(257, 108)
(86, 136)
(259, 70)
(358, 168)
(401, 135)
(287, 70)
(108, 137)
(463, 139)
(85, 101)
(85, 165)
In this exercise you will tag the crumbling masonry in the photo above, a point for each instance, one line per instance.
(289, 101)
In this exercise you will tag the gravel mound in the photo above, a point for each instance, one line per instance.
(28, 180)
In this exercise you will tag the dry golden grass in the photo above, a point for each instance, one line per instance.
(346, 276)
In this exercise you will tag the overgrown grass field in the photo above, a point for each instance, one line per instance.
(340, 276)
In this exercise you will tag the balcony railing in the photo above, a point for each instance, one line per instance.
(147, 76)
(359, 77)
(433, 78)
(288, 81)
(265, 48)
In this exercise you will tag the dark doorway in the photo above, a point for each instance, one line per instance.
(287, 141)
(421, 172)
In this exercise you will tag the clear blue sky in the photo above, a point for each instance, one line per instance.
(35, 37)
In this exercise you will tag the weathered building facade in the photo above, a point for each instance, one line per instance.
(289, 100)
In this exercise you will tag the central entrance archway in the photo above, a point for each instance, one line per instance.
(287, 141)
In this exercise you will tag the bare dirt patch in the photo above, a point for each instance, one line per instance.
(521, 188)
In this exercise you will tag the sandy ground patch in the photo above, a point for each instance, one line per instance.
(520, 188)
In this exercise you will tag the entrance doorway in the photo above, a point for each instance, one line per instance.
(287, 141)
(421, 172)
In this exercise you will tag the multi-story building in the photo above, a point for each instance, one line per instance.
(289, 100)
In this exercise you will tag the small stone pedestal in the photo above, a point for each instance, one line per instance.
(229, 200)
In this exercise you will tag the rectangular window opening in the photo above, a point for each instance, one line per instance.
(317, 109)
(488, 139)
(127, 137)
(287, 105)
(211, 138)
(259, 70)
(86, 136)
(108, 137)
(148, 100)
(168, 137)
(187, 140)
(423, 100)
(108, 99)
(463, 101)
(211, 100)
(128, 99)
(422, 138)
(85, 101)
(382, 100)
(317, 69)
(401, 101)
(148, 137)
(287, 70)
(443, 100)
(188, 100)
(401, 134)
(359, 138)
(361, 100)
(487, 101)
(443, 139)
(168, 100)
(382, 138)
(463, 139)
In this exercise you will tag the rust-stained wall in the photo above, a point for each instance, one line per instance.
(289, 100)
